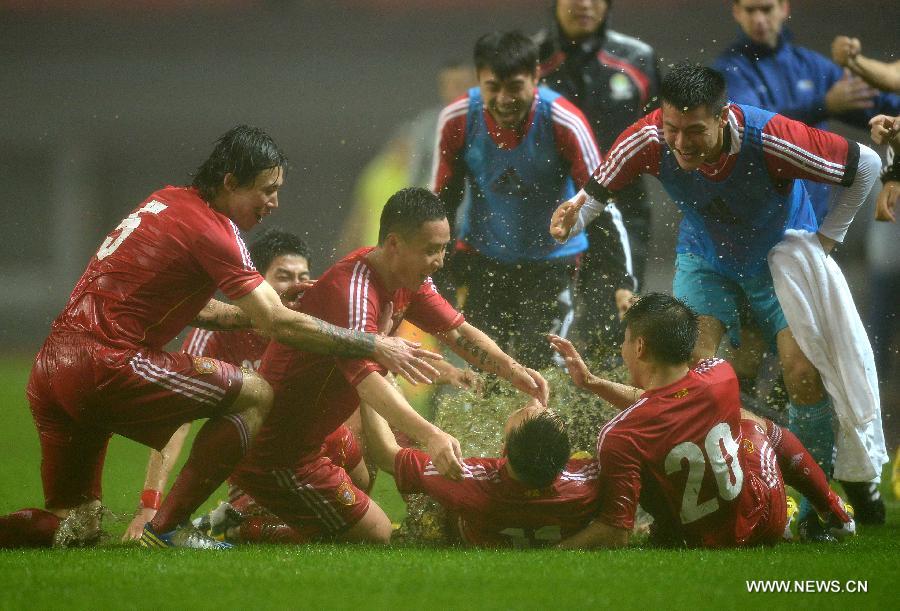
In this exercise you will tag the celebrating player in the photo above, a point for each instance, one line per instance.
(370, 289)
(709, 474)
(533, 495)
(734, 171)
(283, 259)
(521, 149)
(103, 370)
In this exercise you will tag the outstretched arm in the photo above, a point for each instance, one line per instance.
(382, 445)
(311, 334)
(158, 468)
(378, 394)
(619, 395)
(480, 350)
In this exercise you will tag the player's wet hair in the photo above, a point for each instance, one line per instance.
(669, 327)
(244, 152)
(274, 243)
(506, 54)
(407, 210)
(538, 449)
(688, 86)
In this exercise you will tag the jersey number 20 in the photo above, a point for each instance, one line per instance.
(128, 224)
(729, 477)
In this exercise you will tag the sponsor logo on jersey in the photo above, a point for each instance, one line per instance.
(805, 85)
(345, 494)
(680, 394)
(204, 365)
(748, 446)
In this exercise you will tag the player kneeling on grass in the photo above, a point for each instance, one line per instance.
(371, 289)
(534, 495)
(708, 472)
(283, 260)
(103, 368)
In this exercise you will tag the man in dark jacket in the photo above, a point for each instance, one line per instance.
(613, 80)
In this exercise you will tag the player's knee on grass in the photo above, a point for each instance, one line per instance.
(253, 402)
(374, 527)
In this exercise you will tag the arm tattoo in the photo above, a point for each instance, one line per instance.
(339, 341)
(478, 353)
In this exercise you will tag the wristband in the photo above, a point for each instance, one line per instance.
(151, 499)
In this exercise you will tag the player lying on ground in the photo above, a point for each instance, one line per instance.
(737, 174)
(709, 475)
(533, 495)
(371, 289)
(283, 260)
(103, 369)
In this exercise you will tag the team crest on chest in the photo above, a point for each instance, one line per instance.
(345, 494)
(620, 87)
(204, 365)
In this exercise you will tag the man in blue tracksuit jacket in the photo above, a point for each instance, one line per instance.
(765, 69)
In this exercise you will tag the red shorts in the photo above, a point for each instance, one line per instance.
(762, 508)
(81, 392)
(317, 498)
(343, 448)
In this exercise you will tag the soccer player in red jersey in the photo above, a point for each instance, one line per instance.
(370, 289)
(532, 496)
(283, 259)
(708, 473)
(103, 370)
(738, 174)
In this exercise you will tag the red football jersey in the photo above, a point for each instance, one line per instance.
(676, 452)
(156, 270)
(493, 509)
(315, 393)
(243, 348)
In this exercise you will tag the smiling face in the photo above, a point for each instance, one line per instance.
(419, 255)
(761, 20)
(580, 18)
(508, 100)
(695, 135)
(247, 205)
(286, 274)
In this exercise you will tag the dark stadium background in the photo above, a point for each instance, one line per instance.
(103, 101)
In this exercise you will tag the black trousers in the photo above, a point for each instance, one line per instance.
(516, 304)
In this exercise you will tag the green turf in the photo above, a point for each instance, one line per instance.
(328, 577)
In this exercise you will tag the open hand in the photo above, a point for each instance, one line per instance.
(565, 217)
(136, 527)
(446, 455)
(407, 359)
(575, 365)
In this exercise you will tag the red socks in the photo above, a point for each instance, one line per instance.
(217, 449)
(28, 528)
(801, 471)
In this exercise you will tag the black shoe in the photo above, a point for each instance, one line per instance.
(812, 530)
(866, 500)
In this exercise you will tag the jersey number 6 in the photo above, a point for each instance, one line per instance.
(729, 477)
(128, 224)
